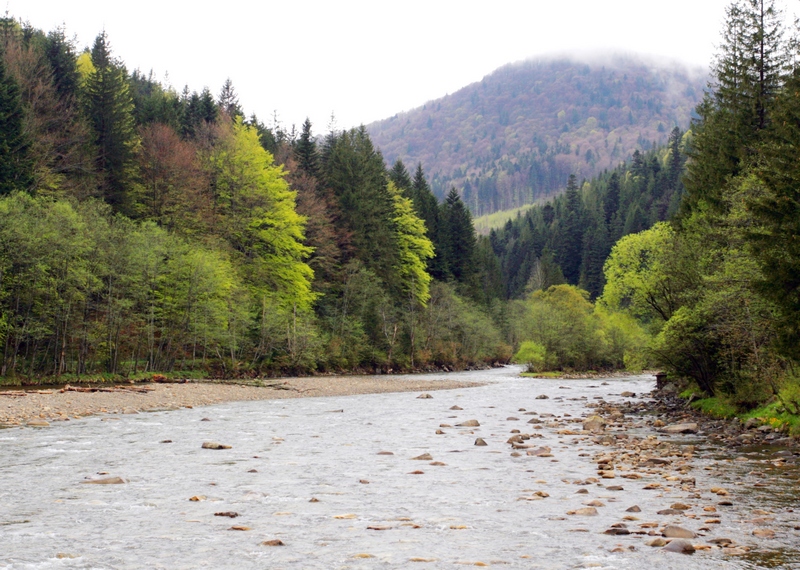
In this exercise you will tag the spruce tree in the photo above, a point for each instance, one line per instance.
(570, 239)
(460, 238)
(109, 106)
(747, 74)
(402, 180)
(16, 166)
(305, 150)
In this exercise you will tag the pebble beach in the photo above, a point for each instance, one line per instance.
(41, 407)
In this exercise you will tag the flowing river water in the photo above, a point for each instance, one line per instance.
(309, 472)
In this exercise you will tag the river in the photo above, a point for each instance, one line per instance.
(310, 473)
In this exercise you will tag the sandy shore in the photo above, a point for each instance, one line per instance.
(40, 406)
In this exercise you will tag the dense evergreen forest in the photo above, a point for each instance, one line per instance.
(518, 134)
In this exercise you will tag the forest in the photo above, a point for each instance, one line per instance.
(718, 286)
(146, 230)
(517, 135)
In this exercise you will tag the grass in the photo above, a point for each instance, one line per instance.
(775, 415)
(542, 374)
(715, 407)
(485, 224)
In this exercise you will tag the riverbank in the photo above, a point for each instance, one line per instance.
(45, 406)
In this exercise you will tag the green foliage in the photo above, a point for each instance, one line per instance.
(577, 336)
(715, 407)
(533, 354)
(16, 168)
(572, 235)
(109, 106)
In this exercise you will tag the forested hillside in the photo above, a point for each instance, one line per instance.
(147, 230)
(518, 134)
(719, 287)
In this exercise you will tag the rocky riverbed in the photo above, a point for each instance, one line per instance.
(516, 473)
(39, 408)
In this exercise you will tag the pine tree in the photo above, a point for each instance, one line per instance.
(570, 238)
(229, 100)
(459, 242)
(16, 167)
(777, 210)
(109, 106)
(305, 150)
(747, 75)
(402, 180)
(427, 208)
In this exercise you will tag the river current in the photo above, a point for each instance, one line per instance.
(309, 472)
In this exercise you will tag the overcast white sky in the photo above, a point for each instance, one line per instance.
(367, 60)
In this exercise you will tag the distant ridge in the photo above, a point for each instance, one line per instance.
(518, 134)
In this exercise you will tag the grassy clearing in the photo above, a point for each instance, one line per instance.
(485, 224)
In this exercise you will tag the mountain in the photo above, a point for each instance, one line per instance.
(517, 135)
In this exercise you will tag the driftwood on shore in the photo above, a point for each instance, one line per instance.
(137, 389)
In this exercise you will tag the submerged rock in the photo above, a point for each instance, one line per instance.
(106, 481)
(214, 445)
(469, 423)
(674, 531)
(680, 546)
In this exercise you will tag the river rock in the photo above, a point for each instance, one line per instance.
(423, 457)
(681, 546)
(273, 542)
(480, 442)
(229, 514)
(106, 481)
(214, 445)
(658, 541)
(456, 408)
(239, 527)
(542, 397)
(37, 423)
(585, 512)
(673, 531)
(385, 453)
(680, 506)
(764, 533)
(594, 424)
(469, 423)
(669, 512)
(628, 394)
(681, 428)
(633, 509)
(424, 397)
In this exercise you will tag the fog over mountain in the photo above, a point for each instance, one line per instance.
(517, 135)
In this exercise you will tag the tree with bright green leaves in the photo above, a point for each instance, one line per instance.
(414, 248)
(258, 217)
(109, 106)
(16, 166)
